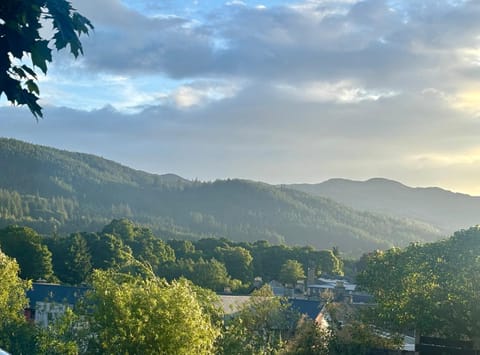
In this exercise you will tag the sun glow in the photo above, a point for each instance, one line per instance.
(461, 158)
(467, 101)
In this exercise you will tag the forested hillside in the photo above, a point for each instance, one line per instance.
(443, 209)
(59, 191)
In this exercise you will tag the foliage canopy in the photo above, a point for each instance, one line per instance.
(12, 304)
(133, 315)
(25, 245)
(433, 288)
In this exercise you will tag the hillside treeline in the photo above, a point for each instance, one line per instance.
(55, 191)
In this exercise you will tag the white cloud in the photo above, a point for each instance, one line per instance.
(235, 3)
(202, 93)
(342, 92)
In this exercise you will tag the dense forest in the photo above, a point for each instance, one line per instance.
(55, 191)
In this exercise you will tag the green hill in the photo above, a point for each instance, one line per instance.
(446, 210)
(58, 191)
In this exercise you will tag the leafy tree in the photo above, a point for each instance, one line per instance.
(15, 333)
(210, 274)
(309, 339)
(398, 281)
(107, 251)
(260, 327)
(62, 337)
(12, 290)
(71, 258)
(133, 315)
(144, 245)
(123, 228)
(25, 245)
(238, 262)
(327, 262)
(20, 38)
(291, 272)
(208, 246)
(268, 259)
(413, 287)
(360, 338)
(183, 249)
(175, 270)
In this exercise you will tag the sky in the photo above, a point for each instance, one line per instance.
(274, 91)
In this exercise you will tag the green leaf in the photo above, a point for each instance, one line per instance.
(20, 36)
(32, 86)
(41, 54)
(15, 42)
(29, 71)
(81, 24)
(19, 72)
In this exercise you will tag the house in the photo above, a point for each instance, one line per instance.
(277, 288)
(49, 301)
(309, 308)
(337, 288)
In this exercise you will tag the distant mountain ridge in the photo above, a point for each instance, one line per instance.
(446, 210)
(57, 191)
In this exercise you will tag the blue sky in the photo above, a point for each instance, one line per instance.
(277, 91)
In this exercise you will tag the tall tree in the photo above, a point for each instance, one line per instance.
(21, 38)
(133, 315)
(327, 262)
(25, 245)
(107, 250)
(291, 272)
(210, 274)
(71, 258)
(14, 331)
(144, 245)
(238, 262)
(310, 339)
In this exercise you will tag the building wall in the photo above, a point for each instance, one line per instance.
(46, 312)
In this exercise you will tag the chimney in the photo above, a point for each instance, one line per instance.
(339, 291)
(311, 277)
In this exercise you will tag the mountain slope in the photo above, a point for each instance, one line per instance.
(444, 209)
(54, 190)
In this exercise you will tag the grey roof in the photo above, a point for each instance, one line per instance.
(311, 308)
(232, 304)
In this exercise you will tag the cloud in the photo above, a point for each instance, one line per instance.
(201, 93)
(342, 91)
(380, 44)
(128, 42)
